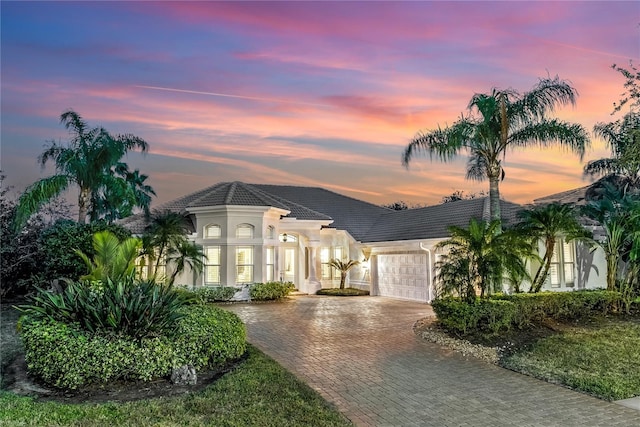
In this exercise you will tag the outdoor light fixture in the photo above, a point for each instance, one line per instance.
(284, 237)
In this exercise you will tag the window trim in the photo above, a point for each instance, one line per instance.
(249, 266)
(207, 227)
(562, 265)
(245, 226)
(208, 263)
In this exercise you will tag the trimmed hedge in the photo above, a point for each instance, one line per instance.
(346, 292)
(503, 312)
(65, 356)
(270, 290)
(485, 315)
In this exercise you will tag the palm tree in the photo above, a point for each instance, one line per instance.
(619, 216)
(500, 120)
(548, 223)
(623, 138)
(121, 194)
(186, 254)
(478, 257)
(88, 161)
(164, 234)
(344, 267)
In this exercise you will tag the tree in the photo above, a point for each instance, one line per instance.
(478, 258)
(163, 236)
(91, 160)
(460, 195)
(344, 267)
(619, 216)
(631, 85)
(186, 254)
(500, 120)
(547, 223)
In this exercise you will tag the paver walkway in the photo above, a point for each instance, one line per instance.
(360, 353)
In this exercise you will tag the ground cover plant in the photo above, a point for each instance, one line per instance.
(344, 292)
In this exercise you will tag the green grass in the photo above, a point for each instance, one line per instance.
(346, 292)
(601, 359)
(259, 392)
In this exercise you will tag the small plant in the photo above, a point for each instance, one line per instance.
(270, 290)
(343, 267)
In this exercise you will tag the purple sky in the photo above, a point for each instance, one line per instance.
(304, 93)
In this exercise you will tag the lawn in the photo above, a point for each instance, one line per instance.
(601, 358)
(257, 392)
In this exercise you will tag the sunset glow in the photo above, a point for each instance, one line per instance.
(303, 93)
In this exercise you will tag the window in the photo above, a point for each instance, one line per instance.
(271, 232)
(244, 264)
(561, 272)
(325, 258)
(270, 264)
(212, 265)
(244, 231)
(212, 231)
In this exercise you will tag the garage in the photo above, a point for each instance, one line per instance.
(403, 275)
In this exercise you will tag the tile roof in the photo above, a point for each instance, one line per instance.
(432, 222)
(576, 196)
(366, 222)
(355, 216)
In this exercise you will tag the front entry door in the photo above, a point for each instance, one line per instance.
(289, 267)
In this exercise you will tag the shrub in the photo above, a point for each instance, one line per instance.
(483, 315)
(137, 309)
(270, 290)
(533, 308)
(215, 294)
(66, 356)
(346, 292)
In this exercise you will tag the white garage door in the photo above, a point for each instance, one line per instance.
(403, 276)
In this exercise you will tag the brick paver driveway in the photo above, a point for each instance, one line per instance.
(361, 354)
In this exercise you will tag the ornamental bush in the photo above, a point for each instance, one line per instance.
(128, 307)
(270, 290)
(483, 315)
(345, 292)
(215, 294)
(66, 356)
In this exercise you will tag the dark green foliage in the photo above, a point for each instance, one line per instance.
(67, 356)
(270, 290)
(346, 292)
(126, 307)
(59, 242)
(483, 315)
(502, 312)
(208, 336)
(215, 294)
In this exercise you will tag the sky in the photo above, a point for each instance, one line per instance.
(321, 94)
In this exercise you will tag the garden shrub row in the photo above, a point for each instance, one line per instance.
(503, 312)
(66, 356)
(345, 292)
(215, 294)
(270, 290)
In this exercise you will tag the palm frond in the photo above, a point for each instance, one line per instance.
(36, 195)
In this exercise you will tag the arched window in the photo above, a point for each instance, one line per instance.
(212, 231)
(244, 231)
(271, 232)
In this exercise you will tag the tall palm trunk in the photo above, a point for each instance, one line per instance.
(84, 199)
(494, 193)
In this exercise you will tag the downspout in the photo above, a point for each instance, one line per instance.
(430, 269)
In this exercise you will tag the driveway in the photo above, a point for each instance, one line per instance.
(360, 353)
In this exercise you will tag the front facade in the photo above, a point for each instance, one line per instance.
(259, 233)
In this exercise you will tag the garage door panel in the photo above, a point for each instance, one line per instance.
(403, 276)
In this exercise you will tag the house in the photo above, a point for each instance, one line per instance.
(259, 232)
